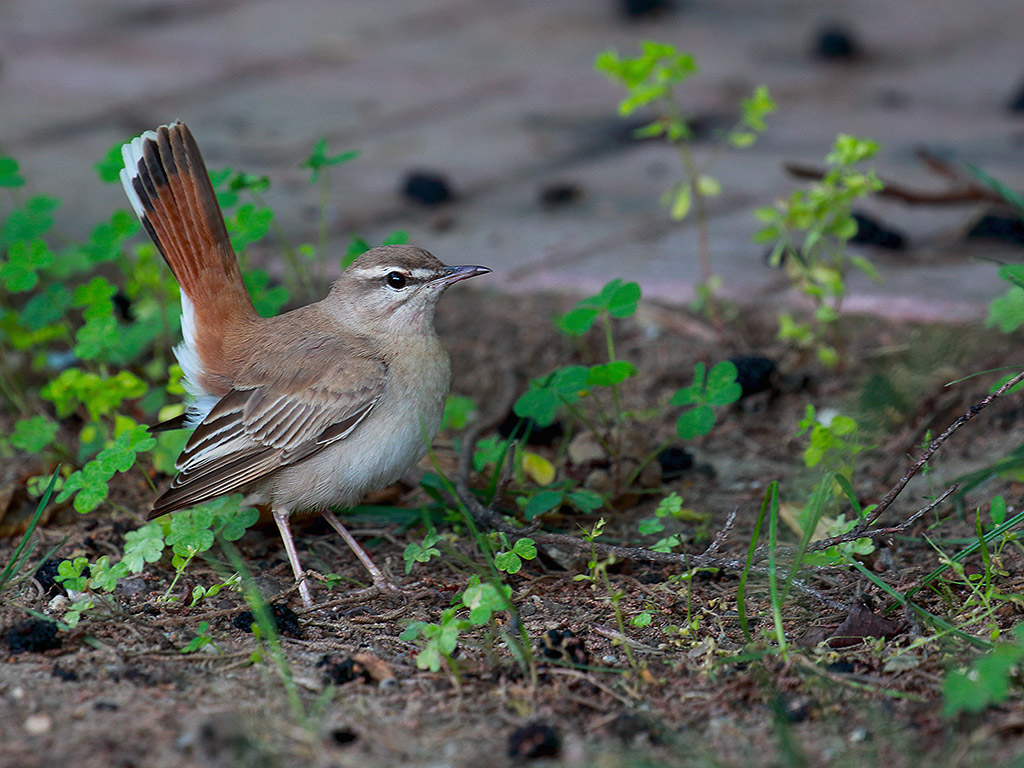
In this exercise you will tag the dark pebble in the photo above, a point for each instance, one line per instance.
(872, 232)
(427, 188)
(1017, 102)
(564, 645)
(340, 671)
(1008, 229)
(644, 9)
(629, 726)
(46, 575)
(836, 43)
(285, 619)
(105, 706)
(344, 736)
(123, 307)
(559, 194)
(532, 741)
(674, 462)
(536, 435)
(841, 667)
(67, 675)
(795, 709)
(32, 636)
(754, 374)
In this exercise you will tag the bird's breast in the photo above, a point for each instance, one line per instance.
(393, 437)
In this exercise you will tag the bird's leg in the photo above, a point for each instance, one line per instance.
(379, 581)
(281, 516)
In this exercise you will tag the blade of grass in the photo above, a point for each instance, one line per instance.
(969, 550)
(773, 582)
(12, 568)
(816, 507)
(268, 629)
(928, 618)
(741, 605)
(1009, 195)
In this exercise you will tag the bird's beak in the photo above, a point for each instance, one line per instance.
(454, 274)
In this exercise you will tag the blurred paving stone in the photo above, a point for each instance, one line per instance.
(504, 98)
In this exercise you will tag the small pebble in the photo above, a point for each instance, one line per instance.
(67, 675)
(644, 9)
(285, 619)
(532, 741)
(872, 232)
(564, 645)
(674, 461)
(1017, 102)
(753, 373)
(32, 635)
(427, 188)
(58, 604)
(559, 194)
(37, 725)
(836, 43)
(1007, 229)
(344, 736)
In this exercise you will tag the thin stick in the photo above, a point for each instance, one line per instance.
(933, 446)
(963, 192)
(876, 533)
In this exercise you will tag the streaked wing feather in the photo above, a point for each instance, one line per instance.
(255, 430)
(219, 480)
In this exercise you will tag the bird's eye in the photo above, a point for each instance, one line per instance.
(395, 280)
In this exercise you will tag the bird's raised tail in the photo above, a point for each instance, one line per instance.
(169, 188)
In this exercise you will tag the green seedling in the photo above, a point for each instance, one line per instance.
(201, 593)
(669, 507)
(10, 574)
(318, 162)
(987, 682)
(510, 558)
(710, 389)
(833, 442)
(201, 640)
(809, 233)
(651, 81)
(190, 532)
(422, 552)
(1006, 312)
(481, 599)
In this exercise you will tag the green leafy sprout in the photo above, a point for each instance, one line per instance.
(651, 81)
(809, 233)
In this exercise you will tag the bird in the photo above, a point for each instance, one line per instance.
(307, 410)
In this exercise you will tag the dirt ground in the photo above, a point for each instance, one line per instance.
(120, 692)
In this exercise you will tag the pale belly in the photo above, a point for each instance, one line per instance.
(393, 438)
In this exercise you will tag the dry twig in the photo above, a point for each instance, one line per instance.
(962, 189)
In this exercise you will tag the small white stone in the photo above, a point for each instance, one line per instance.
(37, 725)
(58, 604)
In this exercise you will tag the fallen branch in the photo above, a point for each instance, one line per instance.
(963, 189)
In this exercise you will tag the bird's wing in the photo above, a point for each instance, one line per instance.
(258, 428)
